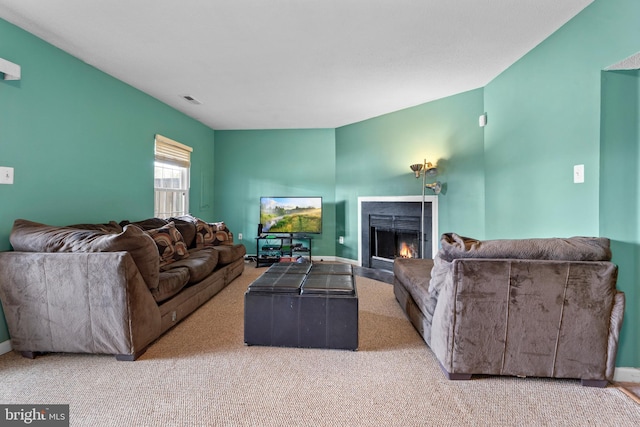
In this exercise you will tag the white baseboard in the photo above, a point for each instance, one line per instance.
(5, 347)
(319, 258)
(347, 261)
(627, 375)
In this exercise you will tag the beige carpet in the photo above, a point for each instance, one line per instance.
(201, 374)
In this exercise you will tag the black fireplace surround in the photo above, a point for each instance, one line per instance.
(386, 225)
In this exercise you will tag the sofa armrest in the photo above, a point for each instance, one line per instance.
(617, 315)
(77, 302)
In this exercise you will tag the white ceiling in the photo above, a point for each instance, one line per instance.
(276, 64)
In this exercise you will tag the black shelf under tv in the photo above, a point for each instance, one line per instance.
(273, 249)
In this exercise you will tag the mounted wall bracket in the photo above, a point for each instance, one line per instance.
(10, 70)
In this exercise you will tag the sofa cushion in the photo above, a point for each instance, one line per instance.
(110, 227)
(201, 263)
(228, 254)
(414, 274)
(170, 283)
(171, 245)
(454, 246)
(28, 236)
(147, 224)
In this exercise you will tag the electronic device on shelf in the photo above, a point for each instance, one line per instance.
(284, 247)
(270, 247)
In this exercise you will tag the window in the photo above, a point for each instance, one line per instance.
(171, 178)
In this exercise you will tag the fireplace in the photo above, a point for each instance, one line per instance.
(390, 228)
(391, 237)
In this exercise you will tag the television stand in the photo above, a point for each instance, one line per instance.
(273, 249)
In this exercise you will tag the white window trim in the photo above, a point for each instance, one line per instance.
(173, 154)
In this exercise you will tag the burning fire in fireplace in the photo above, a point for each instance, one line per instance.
(408, 251)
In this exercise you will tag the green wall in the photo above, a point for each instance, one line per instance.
(369, 158)
(373, 159)
(81, 142)
(250, 164)
(619, 197)
(544, 118)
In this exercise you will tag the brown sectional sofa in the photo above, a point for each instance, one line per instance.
(534, 307)
(110, 288)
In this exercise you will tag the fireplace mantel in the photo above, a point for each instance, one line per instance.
(430, 202)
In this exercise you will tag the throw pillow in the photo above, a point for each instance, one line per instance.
(186, 225)
(204, 234)
(219, 226)
(223, 235)
(170, 243)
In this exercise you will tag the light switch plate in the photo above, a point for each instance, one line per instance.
(6, 175)
(578, 174)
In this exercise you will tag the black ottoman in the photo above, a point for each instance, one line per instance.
(316, 309)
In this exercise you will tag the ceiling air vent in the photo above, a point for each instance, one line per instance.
(191, 99)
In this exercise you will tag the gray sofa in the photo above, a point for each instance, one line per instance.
(533, 307)
(110, 288)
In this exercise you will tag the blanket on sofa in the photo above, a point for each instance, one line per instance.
(454, 246)
(558, 249)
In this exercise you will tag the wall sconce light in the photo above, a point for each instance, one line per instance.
(10, 70)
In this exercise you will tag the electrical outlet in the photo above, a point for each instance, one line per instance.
(6, 175)
(341, 240)
(239, 236)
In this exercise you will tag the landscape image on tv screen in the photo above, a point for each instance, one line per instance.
(291, 214)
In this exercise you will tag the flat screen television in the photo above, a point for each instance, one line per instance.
(294, 215)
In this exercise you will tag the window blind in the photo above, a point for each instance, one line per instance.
(172, 152)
